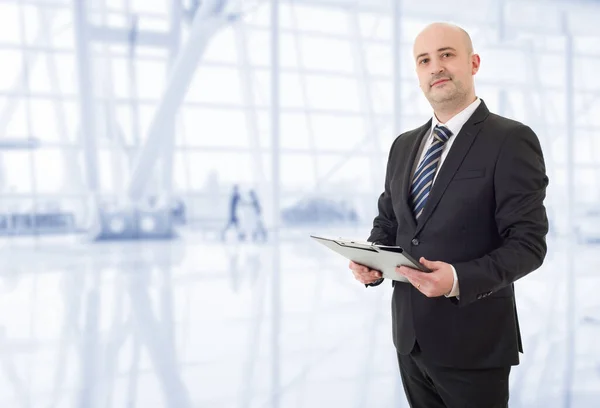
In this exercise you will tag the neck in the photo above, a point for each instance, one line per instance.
(445, 112)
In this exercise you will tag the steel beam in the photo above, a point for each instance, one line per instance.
(204, 25)
(86, 111)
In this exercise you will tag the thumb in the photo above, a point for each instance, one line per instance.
(429, 264)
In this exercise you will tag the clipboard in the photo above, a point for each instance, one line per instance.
(380, 257)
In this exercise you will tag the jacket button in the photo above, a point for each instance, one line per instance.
(415, 241)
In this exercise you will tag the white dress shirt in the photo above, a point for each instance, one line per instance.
(455, 124)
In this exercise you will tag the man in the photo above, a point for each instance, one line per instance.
(234, 210)
(463, 194)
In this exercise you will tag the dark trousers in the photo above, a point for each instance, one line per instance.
(429, 386)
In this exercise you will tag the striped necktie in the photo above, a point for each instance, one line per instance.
(423, 178)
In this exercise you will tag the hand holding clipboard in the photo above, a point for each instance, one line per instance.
(380, 258)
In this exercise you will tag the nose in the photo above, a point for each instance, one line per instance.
(436, 67)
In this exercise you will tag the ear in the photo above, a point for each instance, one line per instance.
(475, 63)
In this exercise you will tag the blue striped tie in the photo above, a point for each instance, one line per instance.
(423, 178)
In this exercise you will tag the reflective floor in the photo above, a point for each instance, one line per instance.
(195, 323)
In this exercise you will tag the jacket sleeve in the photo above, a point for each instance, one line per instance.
(385, 226)
(520, 183)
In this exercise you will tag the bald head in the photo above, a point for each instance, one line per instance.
(445, 64)
(442, 30)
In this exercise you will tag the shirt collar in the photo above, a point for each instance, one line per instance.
(456, 123)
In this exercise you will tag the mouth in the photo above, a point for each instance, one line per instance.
(439, 82)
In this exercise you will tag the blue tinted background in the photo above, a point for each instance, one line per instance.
(126, 124)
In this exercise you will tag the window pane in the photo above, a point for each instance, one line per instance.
(33, 24)
(259, 43)
(553, 69)
(585, 73)
(150, 78)
(181, 171)
(10, 23)
(297, 170)
(264, 128)
(150, 6)
(215, 127)
(386, 135)
(121, 77)
(62, 29)
(39, 80)
(123, 116)
(321, 19)
(11, 66)
(379, 59)
(260, 15)
(531, 15)
(215, 85)
(67, 74)
(587, 45)
(16, 123)
(262, 87)
(146, 112)
(375, 26)
(288, 51)
(115, 4)
(382, 100)
(340, 133)
(295, 131)
(223, 46)
(259, 48)
(586, 148)
(46, 124)
(50, 172)
(71, 118)
(326, 54)
(230, 167)
(292, 95)
(112, 170)
(15, 174)
(351, 174)
(333, 93)
(509, 65)
(586, 185)
(151, 23)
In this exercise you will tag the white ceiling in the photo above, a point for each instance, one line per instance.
(544, 16)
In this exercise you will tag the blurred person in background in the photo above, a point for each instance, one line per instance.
(234, 215)
(258, 228)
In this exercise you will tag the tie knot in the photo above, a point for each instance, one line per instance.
(442, 133)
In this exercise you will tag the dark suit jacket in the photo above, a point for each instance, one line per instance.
(485, 216)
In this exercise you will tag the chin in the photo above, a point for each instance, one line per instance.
(441, 98)
(441, 93)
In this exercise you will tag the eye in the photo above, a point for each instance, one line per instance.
(424, 61)
(446, 54)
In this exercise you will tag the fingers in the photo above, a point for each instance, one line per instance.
(420, 280)
(408, 272)
(367, 277)
(363, 274)
(413, 276)
(358, 267)
(429, 284)
(433, 265)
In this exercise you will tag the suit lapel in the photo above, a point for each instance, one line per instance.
(418, 136)
(455, 157)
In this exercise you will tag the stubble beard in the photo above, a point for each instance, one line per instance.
(447, 101)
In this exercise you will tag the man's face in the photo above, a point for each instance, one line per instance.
(444, 64)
